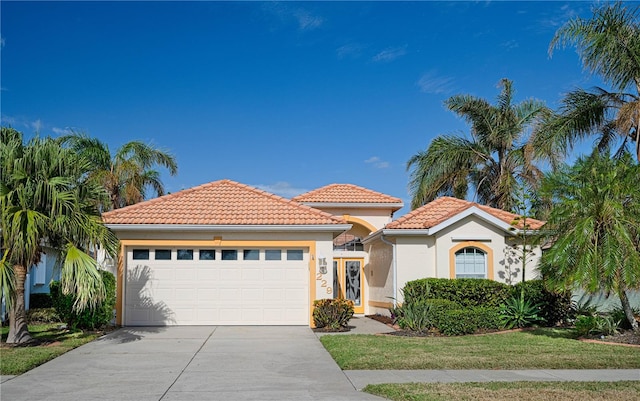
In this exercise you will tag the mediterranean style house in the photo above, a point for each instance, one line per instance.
(226, 253)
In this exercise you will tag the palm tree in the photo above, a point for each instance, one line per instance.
(46, 199)
(128, 173)
(595, 227)
(609, 45)
(500, 156)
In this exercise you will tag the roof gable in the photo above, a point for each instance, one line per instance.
(347, 194)
(445, 210)
(223, 202)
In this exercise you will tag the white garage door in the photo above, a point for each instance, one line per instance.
(194, 286)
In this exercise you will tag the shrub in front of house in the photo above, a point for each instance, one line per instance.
(466, 292)
(448, 317)
(39, 300)
(332, 314)
(90, 318)
(470, 320)
(42, 315)
(554, 307)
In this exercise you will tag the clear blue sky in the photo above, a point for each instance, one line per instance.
(286, 96)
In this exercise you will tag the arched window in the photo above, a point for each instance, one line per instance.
(471, 262)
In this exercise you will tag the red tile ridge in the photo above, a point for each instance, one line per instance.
(319, 195)
(404, 222)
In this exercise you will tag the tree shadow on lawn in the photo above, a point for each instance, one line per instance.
(553, 332)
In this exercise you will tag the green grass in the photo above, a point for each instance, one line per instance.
(538, 391)
(537, 349)
(17, 360)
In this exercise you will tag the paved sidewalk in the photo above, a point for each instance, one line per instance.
(360, 378)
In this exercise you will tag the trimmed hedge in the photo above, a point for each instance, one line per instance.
(455, 322)
(90, 318)
(40, 300)
(555, 307)
(466, 292)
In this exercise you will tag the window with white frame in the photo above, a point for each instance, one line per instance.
(471, 263)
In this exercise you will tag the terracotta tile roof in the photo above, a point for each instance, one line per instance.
(223, 202)
(345, 193)
(441, 209)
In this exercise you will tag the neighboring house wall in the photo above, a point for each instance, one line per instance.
(42, 274)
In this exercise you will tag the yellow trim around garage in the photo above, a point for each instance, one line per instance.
(379, 304)
(216, 242)
(470, 244)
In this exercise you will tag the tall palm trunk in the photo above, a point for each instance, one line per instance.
(628, 312)
(18, 332)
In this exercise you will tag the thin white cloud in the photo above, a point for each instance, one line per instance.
(353, 50)
(555, 18)
(435, 84)
(376, 162)
(390, 54)
(510, 44)
(36, 125)
(281, 188)
(8, 120)
(303, 18)
(307, 21)
(2, 41)
(62, 131)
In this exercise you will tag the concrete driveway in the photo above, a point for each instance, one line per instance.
(191, 363)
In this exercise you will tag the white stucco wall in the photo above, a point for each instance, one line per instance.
(379, 277)
(507, 266)
(422, 256)
(416, 258)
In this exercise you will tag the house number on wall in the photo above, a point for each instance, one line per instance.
(322, 263)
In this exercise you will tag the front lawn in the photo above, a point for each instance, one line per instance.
(547, 391)
(536, 349)
(55, 342)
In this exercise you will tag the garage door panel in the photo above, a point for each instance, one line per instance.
(230, 274)
(273, 295)
(273, 274)
(217, 292)
(253, 273)
(208, 274)
(295, 275)
(185, 295)
(230, 294)
(207, 294)
(162, 274)
(295, 295)
(250, 296)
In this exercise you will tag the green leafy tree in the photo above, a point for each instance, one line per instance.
(608, 45)
(127, 174)
(46, 198)
(501, 155)
(595, 227)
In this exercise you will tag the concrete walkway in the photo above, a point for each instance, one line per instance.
(360, 378)
(190, 363)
